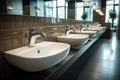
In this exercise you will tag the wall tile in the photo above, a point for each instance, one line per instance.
(16, 32)
(2, 45)
(5, 33)
(0, 21)
(5, 22)
(28, 21)
(8, 44)
(17, 42)
(20, 21)
(25, 21)
(14, 22)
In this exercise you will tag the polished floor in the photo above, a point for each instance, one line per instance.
(100, 62)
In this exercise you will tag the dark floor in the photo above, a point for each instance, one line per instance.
(103, 62)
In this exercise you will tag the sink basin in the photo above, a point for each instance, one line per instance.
(54, 34)
(42, 56)
(90, 33)
(74, 39)
(96, 28)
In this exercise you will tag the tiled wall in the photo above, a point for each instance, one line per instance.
(14, 27)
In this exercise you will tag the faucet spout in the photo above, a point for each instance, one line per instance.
(68, 30)
(34, 37)
(32, 40)
(42, 34)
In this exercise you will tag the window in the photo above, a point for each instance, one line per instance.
(80, 7)
(110, 5)
(90, 13)
(61, 5)
(78, 10)
(61, 2)
(48, 9)
(56, 9)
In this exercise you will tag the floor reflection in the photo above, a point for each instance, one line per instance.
(114, 41)
(106, 63)
(110, 52)
(108, 60)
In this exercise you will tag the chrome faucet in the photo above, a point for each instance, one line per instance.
(68, 29)
(84, 27)
(32, 36)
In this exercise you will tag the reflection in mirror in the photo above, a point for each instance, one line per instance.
(14, 7)
(41, 8)
(37, 8)
(56, 9)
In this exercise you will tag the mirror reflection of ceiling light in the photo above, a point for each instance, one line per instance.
(10, 6)
(101, 13)
(97, 9)
(94, 6)
(37, 9)
(21, 10)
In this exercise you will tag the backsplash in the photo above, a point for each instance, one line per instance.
(14, 27)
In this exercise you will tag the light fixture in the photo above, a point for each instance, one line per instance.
(94, 6)
(21, 10)
(10, 6)
(97, 10)
(101, 13)
(37, 9)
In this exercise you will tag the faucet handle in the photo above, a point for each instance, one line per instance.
(74, 28)
(43, 34)
(32, 30)
(67, 26)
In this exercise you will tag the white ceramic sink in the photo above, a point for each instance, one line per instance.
(74, 39)
(42, 56)
(96, 28)
(90, 33)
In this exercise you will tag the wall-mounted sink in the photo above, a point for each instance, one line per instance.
(42, 56)
(74, 39)
(96, 28)
(54, 34)
(90, 33)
